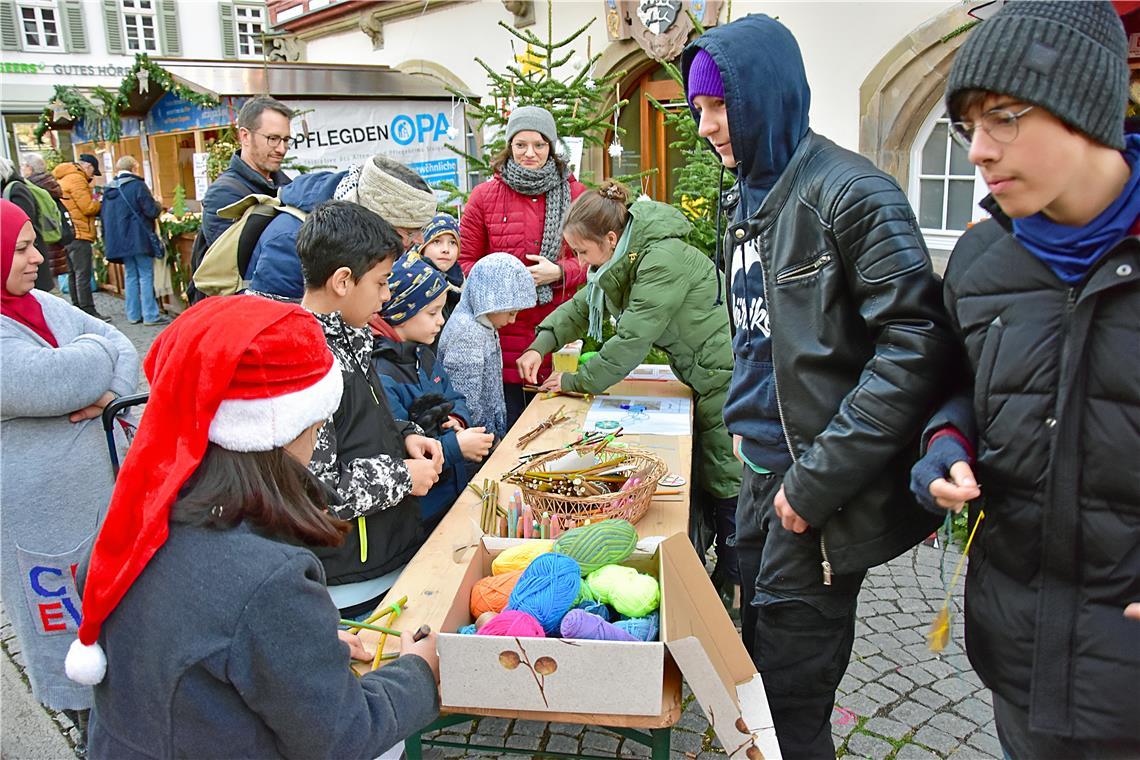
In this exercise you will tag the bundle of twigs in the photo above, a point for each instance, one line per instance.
(528, 437)
(491, 510)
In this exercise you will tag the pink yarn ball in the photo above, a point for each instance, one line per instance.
(513, 623)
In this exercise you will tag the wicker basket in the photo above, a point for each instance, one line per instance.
(572, 511)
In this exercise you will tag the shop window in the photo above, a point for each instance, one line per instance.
(249, 25)
(40, 26)
(140, 22)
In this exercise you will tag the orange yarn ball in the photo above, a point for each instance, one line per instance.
(492, 593)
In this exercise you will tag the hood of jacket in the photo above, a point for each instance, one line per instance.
(650, 222)
(498, 282)
(766, 94)
(113, 190)
(67, 168)
(310, 190)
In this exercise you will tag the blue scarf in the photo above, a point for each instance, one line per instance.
(594, 295)
(1072, 251)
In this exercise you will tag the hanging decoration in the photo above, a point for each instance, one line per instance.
(107, 121)
(616, 150)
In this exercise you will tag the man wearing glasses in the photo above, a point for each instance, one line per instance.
(1045, 299)
(263, 131)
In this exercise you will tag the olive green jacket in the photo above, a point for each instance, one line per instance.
(663, 294)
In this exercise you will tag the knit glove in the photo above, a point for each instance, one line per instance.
(430, 411)
(946, 447)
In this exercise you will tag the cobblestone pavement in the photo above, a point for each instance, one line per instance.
(898, 701)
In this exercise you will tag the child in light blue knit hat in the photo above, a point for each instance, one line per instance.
(497, 288)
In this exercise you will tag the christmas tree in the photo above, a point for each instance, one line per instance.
(548, 73)
(698, 176)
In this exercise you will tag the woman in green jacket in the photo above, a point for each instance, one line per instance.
(663, 293)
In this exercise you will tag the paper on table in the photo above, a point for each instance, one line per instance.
(658, 416)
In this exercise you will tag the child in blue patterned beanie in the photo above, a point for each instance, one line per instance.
(417, 385)
(441, 249)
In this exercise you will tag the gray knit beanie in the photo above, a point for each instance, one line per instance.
(535, 119)
(1070, 58)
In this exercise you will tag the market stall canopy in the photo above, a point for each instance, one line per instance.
(302, 80)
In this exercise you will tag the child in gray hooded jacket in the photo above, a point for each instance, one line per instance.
(498, 286)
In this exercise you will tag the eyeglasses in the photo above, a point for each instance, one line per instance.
(274, 141)
(1000, 124)
(520, 147)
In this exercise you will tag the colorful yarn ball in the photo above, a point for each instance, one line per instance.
(520, 556)
(579, 624)
(642, 628)
(631, 593)
(490, 594)
(593, 546)
(467, 630)
(594, 608)
(513, 623)
(585, 594)
(547, 590)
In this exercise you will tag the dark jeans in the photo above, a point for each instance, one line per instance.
(79, 276)
(516, 399)
(798, 631)
(1019, 743)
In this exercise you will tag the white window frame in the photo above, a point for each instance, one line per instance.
(133, 13)
(241, 39)
(41, 7)
(940, 239)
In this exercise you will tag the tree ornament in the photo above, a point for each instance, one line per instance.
(615, 150)
(144, 80)
(58, 110)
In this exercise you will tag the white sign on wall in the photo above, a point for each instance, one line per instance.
(341, 133)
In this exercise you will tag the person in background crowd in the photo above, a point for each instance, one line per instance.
(75, 180)
(1045, 428)
(521, 211)
(59, 367)
(376, 464)
(264, 134)
(418, 386)
(14, 187)
(35, 170)
(128, 215)
(498, 287)
(841, 348)
(663, 294)
(380, 184)
(201, 595)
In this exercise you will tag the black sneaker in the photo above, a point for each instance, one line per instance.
(97, 315)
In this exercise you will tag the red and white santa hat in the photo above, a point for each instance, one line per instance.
(243, 372)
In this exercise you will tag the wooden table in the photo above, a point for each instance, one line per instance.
(433, 576)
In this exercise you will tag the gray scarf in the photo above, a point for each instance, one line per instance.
(555, 186)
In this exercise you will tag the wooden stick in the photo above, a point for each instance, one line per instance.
(383, 640)
(396, 605)
(371, 627)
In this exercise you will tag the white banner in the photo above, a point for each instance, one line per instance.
(341, 133)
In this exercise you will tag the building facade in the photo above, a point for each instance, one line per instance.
(876, 69)
(93, 43)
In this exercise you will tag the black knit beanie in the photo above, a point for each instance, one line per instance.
(1070, 58)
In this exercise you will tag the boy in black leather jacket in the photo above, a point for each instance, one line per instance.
(840, 341)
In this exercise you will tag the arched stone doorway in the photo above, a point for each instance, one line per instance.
(897, 97)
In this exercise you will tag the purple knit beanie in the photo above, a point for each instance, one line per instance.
(704, 76)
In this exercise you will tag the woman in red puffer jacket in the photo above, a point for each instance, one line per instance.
(521, 211)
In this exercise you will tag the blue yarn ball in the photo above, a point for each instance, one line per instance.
(467, 630)
(642, 628)
(595, 608)
(547, 589)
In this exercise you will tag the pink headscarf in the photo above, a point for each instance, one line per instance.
(24, 309)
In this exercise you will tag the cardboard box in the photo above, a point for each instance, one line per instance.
(610, 677)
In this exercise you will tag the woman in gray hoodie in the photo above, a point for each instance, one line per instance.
(58, 368)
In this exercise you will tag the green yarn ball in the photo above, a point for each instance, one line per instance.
(593, 546)
(631, 593)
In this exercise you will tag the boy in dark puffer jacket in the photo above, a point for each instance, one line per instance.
(1045, 300)
(417, 385)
